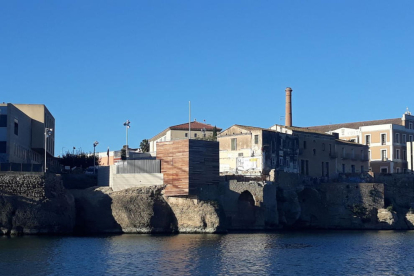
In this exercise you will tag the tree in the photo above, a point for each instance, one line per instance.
(123, 154)
(144, 145)
(214, 133)
(80, 160)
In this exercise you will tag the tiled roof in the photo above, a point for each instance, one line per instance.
(355, 125)
(194, 126)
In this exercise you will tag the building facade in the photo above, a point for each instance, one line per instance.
(323, 155)
(22, 133)
(251, 150)
(178, 132)
(386, 139)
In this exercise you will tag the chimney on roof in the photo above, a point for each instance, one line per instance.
(288, 115)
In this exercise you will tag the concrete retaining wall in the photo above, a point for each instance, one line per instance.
(125, 181)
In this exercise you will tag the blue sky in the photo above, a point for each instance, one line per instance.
(95, 64)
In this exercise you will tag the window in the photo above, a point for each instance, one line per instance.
(186, 134)
(304, 144)
(314, 151)
(397, 138)
(404, 157)
(343, 168)
(384, 170)
(204, 135)
(410, 125)
(195, 134)
(404, 138)
(280, 161)
(3, 147)
(234, 144)
(3, 120)
(398, 170)
(367, 139)
(323, 169)
(383, 138)
(353, 153)
(240, 154)
(397, 154)
(369, 155)
(16, 127)
(384, 155)
(256, 139)
(411, 138)
(353, 168)
(362, 169)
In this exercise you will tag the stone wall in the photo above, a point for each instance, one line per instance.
(30, 185)
(261, 213)
(34, 203)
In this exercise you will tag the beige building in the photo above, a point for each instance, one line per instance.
(323, 155)
(177, 132)
(22, 133)
(248, 150)
(387, 140)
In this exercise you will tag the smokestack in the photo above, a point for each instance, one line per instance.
(288, 115)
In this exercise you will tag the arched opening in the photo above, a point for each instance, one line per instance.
(246, 209)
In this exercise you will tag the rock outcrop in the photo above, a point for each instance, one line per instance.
(35, 204)
(195, 216)
(142, 210)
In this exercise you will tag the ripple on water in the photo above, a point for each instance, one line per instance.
(312, 253)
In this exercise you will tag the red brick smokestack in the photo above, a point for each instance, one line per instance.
(288, 115)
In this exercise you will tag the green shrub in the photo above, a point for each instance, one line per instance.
(390, 208)
(411, 210)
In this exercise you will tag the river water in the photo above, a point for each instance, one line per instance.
(285, 253)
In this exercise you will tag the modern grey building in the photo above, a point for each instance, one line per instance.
(22, 133)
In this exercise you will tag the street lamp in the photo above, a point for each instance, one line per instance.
(48, 132)
(94, 146)
(126, 125)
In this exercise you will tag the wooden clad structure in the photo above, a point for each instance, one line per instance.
(187, 165)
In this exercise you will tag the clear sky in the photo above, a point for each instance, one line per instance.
(95, 64)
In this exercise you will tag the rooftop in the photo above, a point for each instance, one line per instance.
(195, 126)
(356, 125)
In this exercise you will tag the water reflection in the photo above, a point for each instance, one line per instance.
(300, 253)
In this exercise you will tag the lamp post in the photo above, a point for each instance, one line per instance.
(73, 151)
(126, 124)
(48, 132)
(94, 146)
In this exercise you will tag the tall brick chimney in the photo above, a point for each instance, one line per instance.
(288, 115)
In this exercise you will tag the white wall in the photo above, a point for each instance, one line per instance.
(124, 181)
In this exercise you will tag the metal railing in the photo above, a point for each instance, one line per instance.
(138, 166)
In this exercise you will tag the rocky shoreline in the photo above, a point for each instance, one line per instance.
(38, 204)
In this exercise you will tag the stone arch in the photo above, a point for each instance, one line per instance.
(246, 209)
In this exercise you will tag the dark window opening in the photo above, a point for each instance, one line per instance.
(3, 120)
(3, 147)
(16, 128)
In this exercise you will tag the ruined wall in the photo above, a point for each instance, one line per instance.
(261, 213)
